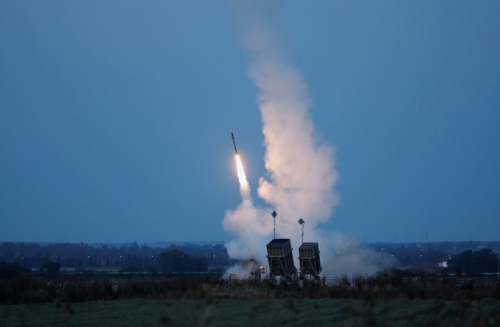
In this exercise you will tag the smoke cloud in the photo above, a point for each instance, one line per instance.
(301, 168)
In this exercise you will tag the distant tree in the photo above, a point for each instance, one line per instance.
(11, 270)
(473, 262)
(52, 267)
(175, 260)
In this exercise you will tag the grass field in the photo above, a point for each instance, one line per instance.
(247, 312)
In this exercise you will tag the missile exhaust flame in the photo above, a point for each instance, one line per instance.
(242, 177)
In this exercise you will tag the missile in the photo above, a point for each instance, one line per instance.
(234, 143)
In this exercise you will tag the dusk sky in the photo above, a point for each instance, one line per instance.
(116, 116)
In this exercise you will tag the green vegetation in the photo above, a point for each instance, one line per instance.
(385, 299)
(71, 289)
(255, 312)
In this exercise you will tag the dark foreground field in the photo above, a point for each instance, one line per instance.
(258, 312)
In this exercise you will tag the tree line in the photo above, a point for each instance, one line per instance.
(125, 257)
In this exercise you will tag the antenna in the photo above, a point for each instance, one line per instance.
(302, 223)
(274, 214)
(426, 242)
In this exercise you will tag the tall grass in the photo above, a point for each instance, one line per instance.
(210, 288)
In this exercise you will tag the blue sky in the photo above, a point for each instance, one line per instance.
(115, 116)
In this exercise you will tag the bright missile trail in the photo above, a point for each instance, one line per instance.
(242, 177)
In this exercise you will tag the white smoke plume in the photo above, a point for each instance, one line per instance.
(300, 168)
